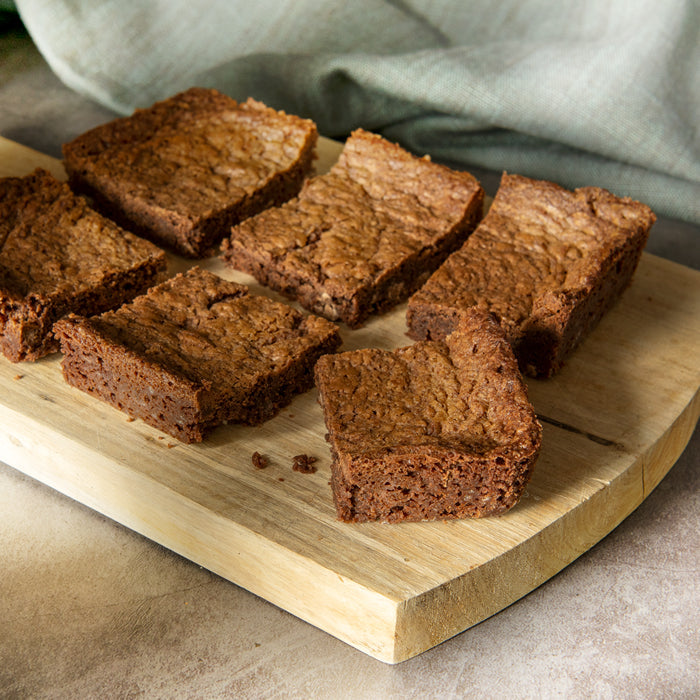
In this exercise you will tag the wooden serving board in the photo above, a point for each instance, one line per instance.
(615, 420)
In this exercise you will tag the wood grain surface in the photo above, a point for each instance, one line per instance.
(615, 420)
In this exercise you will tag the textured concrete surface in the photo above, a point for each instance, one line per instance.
(90, 609)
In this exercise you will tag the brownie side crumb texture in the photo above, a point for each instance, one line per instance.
(186, 169)
(195, 352)
(363, 237)
(436, 430)
(548, 262)
(61, 257)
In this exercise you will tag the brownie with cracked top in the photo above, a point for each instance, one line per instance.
(194, 352)
(61, 256)
(548, 262)
(436, 430)
(186, 169)
(362, 237)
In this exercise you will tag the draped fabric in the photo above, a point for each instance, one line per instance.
(602, 92)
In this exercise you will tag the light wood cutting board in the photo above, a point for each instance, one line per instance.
(615, 420)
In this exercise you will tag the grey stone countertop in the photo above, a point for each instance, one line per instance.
(91, 609)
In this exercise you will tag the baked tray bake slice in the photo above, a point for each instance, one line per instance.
(184, 170)
(60, 257)
(194, 352)
(359, 239)
(547, 261)
(433, 430)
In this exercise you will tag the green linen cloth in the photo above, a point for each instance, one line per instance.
(601, 92)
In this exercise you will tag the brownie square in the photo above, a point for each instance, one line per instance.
(364, 236)
(436, 430)
(548, 262)
(183, 171)
(194, 352)
(60, 256)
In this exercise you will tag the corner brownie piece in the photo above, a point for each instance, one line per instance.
(364, 236)
(185, 170)
(436, 430)
(548, 262)
(60, 256)
(194, 352)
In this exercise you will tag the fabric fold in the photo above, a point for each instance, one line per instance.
(597, 93)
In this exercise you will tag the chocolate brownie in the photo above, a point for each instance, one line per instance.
(183, 171)
(548, 262)
(194, 352)
(60, 256)
(436, 430)
(362, 237)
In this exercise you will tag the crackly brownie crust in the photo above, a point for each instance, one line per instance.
(435, 430)
(60, 256)
(548, 262)
(183, 171)
(363, 237)
(194, 352)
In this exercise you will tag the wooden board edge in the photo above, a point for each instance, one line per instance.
(476, 596)
(308, 590)
(438, 615)
(661, 456)
(392, 631)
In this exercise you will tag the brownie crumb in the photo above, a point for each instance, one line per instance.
(304, 464)
(259, 461)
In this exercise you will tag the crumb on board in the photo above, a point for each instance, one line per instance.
(260, 461)
(304, 464)
(18, 376)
